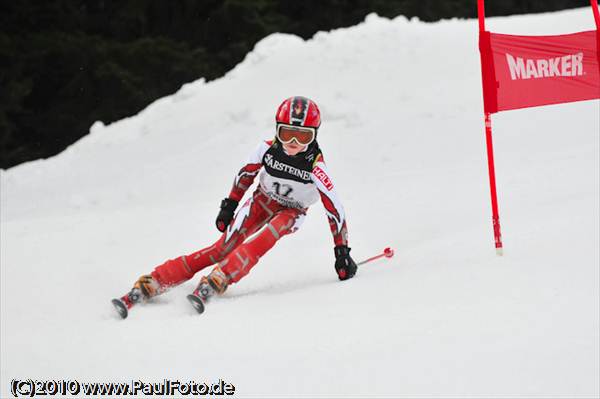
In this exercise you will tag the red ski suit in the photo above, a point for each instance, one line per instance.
(288, 186)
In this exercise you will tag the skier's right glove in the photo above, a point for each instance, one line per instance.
(344, 265)
(225, 216)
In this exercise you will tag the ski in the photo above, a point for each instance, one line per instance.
(196, 302)
(126, 302)
(120, 307)
(203, 292)
(123, 304)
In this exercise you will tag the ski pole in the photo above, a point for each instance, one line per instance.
(388, 253)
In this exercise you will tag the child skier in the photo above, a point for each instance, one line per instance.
(292, 177)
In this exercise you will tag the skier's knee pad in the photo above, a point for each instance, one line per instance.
(239, 263)
(210, 255)
(225, 246)
(173, 272)
(258, 245)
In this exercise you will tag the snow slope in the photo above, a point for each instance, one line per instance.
(403, 138)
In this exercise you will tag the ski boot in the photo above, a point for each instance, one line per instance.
(143, 289)
(215, 283)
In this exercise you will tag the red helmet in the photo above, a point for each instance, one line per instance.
(299, 111)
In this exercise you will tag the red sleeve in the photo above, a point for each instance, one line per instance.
(332, 204)
(244, 180)
(245, 177)
(337, 225)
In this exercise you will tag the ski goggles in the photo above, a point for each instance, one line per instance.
(303, 135)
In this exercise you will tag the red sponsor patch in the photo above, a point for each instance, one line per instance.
(323, 178)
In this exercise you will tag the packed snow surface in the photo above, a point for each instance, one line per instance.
(403, 137)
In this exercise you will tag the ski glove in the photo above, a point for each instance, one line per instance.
(225, 216)
(344, 265)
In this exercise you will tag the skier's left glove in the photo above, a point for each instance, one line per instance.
(225, 216)
(344, 265)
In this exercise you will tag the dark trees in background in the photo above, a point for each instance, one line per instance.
(67, 63)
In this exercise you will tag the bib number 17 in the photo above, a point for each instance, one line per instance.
(287, 189)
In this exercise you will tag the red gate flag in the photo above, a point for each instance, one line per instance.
(528, 71)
